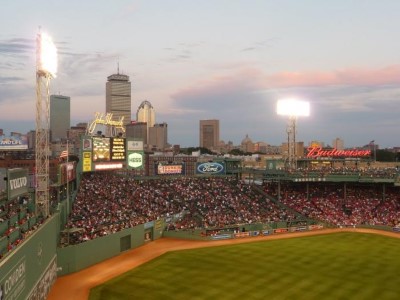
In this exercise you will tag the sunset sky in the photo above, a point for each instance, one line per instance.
(230, 60)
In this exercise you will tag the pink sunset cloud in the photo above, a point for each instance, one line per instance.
(356, 76)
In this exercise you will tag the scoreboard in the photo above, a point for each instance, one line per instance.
(103, 153)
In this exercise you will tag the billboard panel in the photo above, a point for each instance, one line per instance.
(134, 145)
(211, 168)
(18, 142)
(135, 160)
(67, 172)
(170, 169)
(87, 162)
(101, 149)
(17, 182)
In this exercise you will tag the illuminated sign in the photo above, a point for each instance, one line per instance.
(107, 120)
(110, 166)
(117, 149)
(135, 160)
(87, 162)
(169, 169)
(316, 152)
(101, 149)
(210, 168)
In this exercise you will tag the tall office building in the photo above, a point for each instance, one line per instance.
(209, 134)
(118, 97)
(338, 144)
(158, 136)
(60, 116)
(137, 131)
(146, 114)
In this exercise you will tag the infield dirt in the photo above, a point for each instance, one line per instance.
(77, 285)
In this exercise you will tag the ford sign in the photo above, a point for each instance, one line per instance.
(210, 168)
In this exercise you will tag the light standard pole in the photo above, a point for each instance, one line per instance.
(292, 108)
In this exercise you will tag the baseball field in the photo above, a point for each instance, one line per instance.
(343, 265)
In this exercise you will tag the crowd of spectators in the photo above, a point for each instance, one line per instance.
(371, 172)
(107, 203)
(15, 223)
(356, 204)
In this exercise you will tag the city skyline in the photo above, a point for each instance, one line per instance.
(225, 60)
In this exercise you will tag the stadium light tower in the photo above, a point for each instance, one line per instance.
(46, 69)
(293, 109)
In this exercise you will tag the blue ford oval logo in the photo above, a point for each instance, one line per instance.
(210, 168)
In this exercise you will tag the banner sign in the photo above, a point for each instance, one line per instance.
(17, 182)
(135, 160)
(18, 142)
(134, 145)
(316, 152)
(67, 172)
(170, 169)
(13, 282)
(87, 162)
(212, 168)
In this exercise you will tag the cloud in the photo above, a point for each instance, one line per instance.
(16, 46)
(352, 77)
(245, 100)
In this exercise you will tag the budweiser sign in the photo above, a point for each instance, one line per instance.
(315, 152)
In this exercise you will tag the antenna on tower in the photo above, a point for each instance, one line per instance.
(118, 66)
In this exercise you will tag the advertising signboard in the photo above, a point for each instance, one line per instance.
(17, 182)
(87, 162)
(211, 168)
(170, 169)
(67, 172)
(135, 160)
(17, 142)
(134, 145)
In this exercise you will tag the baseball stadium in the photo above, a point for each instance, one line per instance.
(128, 224)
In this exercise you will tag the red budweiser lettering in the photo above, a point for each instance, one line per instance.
(314, 152)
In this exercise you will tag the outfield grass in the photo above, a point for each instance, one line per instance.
(335, 266)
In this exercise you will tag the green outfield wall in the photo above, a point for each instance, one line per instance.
(77, 257)
(31, 269)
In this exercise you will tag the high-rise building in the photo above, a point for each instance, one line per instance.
(158, 136)
(60, 116)
(145, 113)
(137, 131)
(209, 134)
(338, 144)
(118, 97)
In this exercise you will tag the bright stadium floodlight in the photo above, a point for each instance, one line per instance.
(292, 108)
(47, 55)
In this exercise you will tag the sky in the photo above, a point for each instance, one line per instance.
(230, 60)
